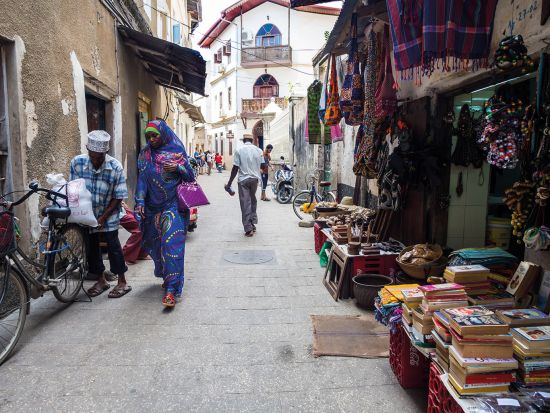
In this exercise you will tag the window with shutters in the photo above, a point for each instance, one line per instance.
(266, 87)
(268, 35)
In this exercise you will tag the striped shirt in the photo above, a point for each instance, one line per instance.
(105, 184)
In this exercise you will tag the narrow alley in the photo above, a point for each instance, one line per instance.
(239, 341)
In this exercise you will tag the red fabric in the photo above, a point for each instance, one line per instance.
(132, 249)
(218, 159)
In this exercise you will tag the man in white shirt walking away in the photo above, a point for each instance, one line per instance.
(247, 163)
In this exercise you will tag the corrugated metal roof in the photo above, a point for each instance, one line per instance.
(173, 66)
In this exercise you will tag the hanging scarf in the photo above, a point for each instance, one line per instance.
(434, 30)
(351, 98)
(386, 97)
(469, 31)
(333, 114)
(406, 26)
(364, 152)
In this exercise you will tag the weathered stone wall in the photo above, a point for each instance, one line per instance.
(50, 47)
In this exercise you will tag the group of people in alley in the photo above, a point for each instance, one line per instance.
(157, 225)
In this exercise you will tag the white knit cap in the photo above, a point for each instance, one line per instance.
(98, 141)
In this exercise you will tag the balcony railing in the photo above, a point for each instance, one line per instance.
(258, 105)
(261, 56)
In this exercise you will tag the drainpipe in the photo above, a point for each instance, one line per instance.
(237, 62)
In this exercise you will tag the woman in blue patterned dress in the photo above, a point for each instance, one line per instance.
(162, 165)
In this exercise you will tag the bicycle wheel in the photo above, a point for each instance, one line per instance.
(13, 311)
(328, 197)
(301, 198)
(69, 263)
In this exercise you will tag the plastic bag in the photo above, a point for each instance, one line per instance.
(79, 199)
(323, 257)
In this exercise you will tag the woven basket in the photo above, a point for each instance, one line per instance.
(434, 268)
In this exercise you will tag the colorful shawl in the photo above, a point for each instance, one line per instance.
(427, 33)
(406, 27)
(156, 188)
(469, 31)
(314, 124)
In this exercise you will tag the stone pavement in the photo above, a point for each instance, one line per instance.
(240, 341)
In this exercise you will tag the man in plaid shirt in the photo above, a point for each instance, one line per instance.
(105, 180)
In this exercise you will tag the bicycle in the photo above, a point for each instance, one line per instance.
(62, 270)
(304, 201)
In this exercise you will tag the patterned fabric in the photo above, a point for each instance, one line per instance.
(313, 122)
(316, 129)
(333, 114)
(469, 30)
(427, 33)
(406, 27)
(386, 96)
(105, 184)
(352, 95)
(365, 162)
(164, 226)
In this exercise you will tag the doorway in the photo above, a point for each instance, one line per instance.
(258, 134)
(95, 113)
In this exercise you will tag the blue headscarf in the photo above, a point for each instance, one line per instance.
(156, 188)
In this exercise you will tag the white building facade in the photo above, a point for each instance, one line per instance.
(259, 54)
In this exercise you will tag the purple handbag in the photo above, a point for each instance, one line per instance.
(190, 195)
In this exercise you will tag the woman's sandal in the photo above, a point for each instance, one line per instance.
(169, 300)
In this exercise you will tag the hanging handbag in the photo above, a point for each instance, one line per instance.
(352, 96)
(190, 195)
(386, 97)
(333, 114)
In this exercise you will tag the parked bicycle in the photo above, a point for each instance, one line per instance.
(304, 202)
(62, 269)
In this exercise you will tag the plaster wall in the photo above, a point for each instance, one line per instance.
(65, 43)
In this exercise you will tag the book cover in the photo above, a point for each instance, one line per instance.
(534, 334)
(477, 321)
(523, 317)
(434, 288)
(412, 294)
(523, 278)
(467, 269)
(468, 311)
(442, 318)
(507, 364)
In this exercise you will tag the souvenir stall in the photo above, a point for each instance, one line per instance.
(452, 136)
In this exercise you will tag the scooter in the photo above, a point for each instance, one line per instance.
(283, 187)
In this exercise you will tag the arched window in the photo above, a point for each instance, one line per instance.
(268, 35)
(266, 87)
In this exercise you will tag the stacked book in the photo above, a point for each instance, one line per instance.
(435, 297)
(478, 334)
(442, 338)
(474, 278)
(412, 298)
(499, 300)
(531, 345)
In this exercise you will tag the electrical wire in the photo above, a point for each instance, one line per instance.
(225, 43)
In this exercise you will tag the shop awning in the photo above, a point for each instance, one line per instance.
(338, 41)
(194, 112)
(172, 66)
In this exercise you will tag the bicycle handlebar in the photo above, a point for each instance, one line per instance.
(34, 188)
